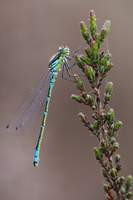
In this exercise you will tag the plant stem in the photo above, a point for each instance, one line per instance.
(95, 66)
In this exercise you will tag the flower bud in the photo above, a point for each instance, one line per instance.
(113, 173)
(129, 195)
(97, 154)
(77, 98)
(105, 59)
(121, 180)
(109, 88)
(105, 30)
(128, 183)
(107, 98)
(110, 117)
(113, 140)
(122, 191)
(106, 187)
(108, 67)
(83, 117)
(117, 126)
(93, 26)
(115, 146)
(117, 159)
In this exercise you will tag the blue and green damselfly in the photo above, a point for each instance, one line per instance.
(29, 109)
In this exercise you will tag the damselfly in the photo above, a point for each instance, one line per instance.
(29, 109)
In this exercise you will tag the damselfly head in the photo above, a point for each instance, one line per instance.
(64, 50)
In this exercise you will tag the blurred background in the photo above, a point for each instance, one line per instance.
(30, 33)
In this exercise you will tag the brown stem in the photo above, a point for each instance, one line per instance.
(97, 92)
(111, 162)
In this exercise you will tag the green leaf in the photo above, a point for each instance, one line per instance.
(88, 52)
(107, 197)
(94, 48)
(103, 116)
(90, 100)
(90, 74)
(105, 174)
(92, 128)
(80, 62)
(96, 38)
(103, 75)
(79, 84)
(86, 60)
(96, 125)
(84, 32)
(103, 143)
(95, 116)
(84, 95)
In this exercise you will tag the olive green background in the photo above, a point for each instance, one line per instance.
(30, 33)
